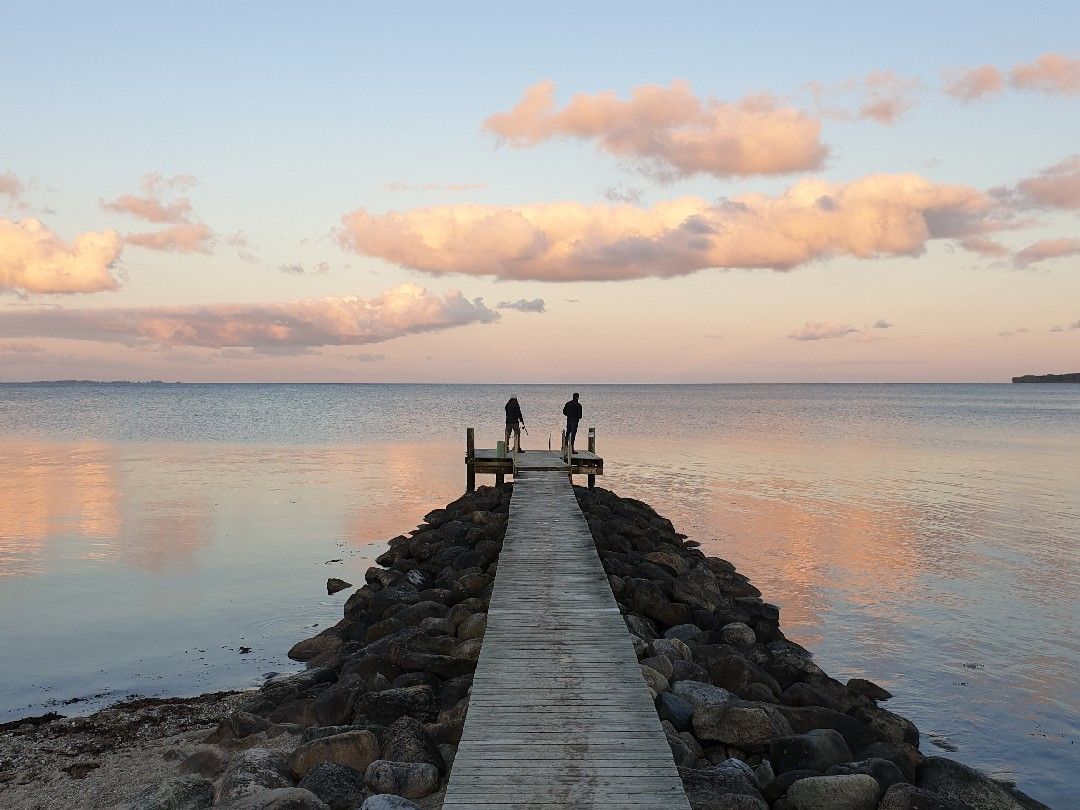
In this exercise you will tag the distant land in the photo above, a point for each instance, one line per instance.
(1048, 378)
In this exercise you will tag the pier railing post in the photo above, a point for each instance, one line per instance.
(470, 460)
(592, 449)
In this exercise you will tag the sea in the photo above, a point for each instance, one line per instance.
(172, 539)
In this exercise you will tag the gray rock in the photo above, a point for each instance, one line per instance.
(952, 780)
(891, 726)
(252, 771)
(885, 772)
(763, 773)
(903, 796)
(237, 726)
(413, 780)
(357, 749)
(699, 694)
(448, 752)
(656, 682)
(473, 627)
(856, 733)
(661, 663)
(673, 648)
(406, 740)
(675, 710)
(340, 786)
(388, 705)
(326, 641)
(803, 694)
(434, 624)
(709, 789)
(748, 727)
(206, 760)
(179, 793)
(290, 798)
(385, 801)
(861, 686)
(738, 634)
(778, 787)
(683, 632)
(816, 750)
(333, 585)
(852, 792)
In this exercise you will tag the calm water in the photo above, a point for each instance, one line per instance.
(924, 536)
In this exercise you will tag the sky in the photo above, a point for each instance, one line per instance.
(699, 192)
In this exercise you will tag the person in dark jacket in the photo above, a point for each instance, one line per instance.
(572, 411)
(514, 422)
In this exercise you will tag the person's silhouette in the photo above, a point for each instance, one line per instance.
(572, 411)
(514, 422)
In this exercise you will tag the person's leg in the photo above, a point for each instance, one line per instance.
(506, 440)
(571, 432)
(517, 437)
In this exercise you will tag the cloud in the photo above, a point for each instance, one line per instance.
(1046, 249)
(622, 194)
(298, 269)
(1055, 187)
(822, 330)
(988, 248)
(13, 188)
(669, 132)
(1049, 73)
(524, 305)
(1057, 327)
(398, 185)
(880, 96)
(245, 250)
(881, 323)
(15, 348)
(185, 234)
(289, 327)
(33, 259)
(878, 215)
(975, 83)
(1020, 330)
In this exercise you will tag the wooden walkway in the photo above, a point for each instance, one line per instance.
(559, 715)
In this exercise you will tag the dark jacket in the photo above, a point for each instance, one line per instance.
(572, 410)
(513, 413)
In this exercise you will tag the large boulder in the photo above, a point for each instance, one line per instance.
(857, 734)
(326, 641)
(252, 771)
(885, 772)
(675, 710)
(710, 789)
(816, 750)
(748, 727)
(385, 801)
(340, 786)
(952, 780)
(280, 799)
(179, 793)
(356, 749)
(699, 694)
(904, 796)
(407, 740)
(205, 760)
(388, 705)
(849, 792)
(412, 780)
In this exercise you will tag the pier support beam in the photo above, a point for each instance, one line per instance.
(592, 449)
(470, 462)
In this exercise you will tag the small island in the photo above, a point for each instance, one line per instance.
(1048, 378)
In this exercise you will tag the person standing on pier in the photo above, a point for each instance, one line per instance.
(572, 411)
(514, 422)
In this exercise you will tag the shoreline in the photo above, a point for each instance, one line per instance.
(386, 692)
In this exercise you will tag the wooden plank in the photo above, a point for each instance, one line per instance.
(559, 715)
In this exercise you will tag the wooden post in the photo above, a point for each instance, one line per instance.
(592, 449)
(499, 479)
(470, 464)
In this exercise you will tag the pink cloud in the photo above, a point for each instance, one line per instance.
(185, 234)
(822, 330)
(33, 259)
(399, 185)
(880, 96)
(289, 327)
(1055, 187)
(11, 187)
(670, 132)
(988, 248)
(878, 215)
(1049, 73)
(976, 83)
(1046, 249)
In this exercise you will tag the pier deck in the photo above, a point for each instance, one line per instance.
(559, 715)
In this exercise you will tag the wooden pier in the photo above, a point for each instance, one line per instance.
(489, 461)
(559, 714)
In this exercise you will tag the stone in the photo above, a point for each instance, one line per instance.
(890, 725)
(709, 788)
(861, 686)
(333, 585)
(473, 627)
(334, 707)
(885, 772)
(816, 750)
(656, 682)
(357, 749)
(661, 663)
(851, 792)
(675, 710)
(803, 694)
(779, 785)
(952, 780)
(905, 757)
(388, 705)
(749, 727)
(236, 726)
(205, 760)
(448, 753)
(737, 634)
(326, 641)
(640, 626)
(289, 798)
(683, 632)
(699, 694)
(856, 733)
(406, 740)
(904, 796)
(688, 671)
(340, 786)
(672, 648)
(433, 624)
(412, 780)
(178, 793)
(763, 773)
(252, 771)
(385, 801)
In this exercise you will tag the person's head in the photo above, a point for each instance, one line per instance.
(575, 396)
(513, 397)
